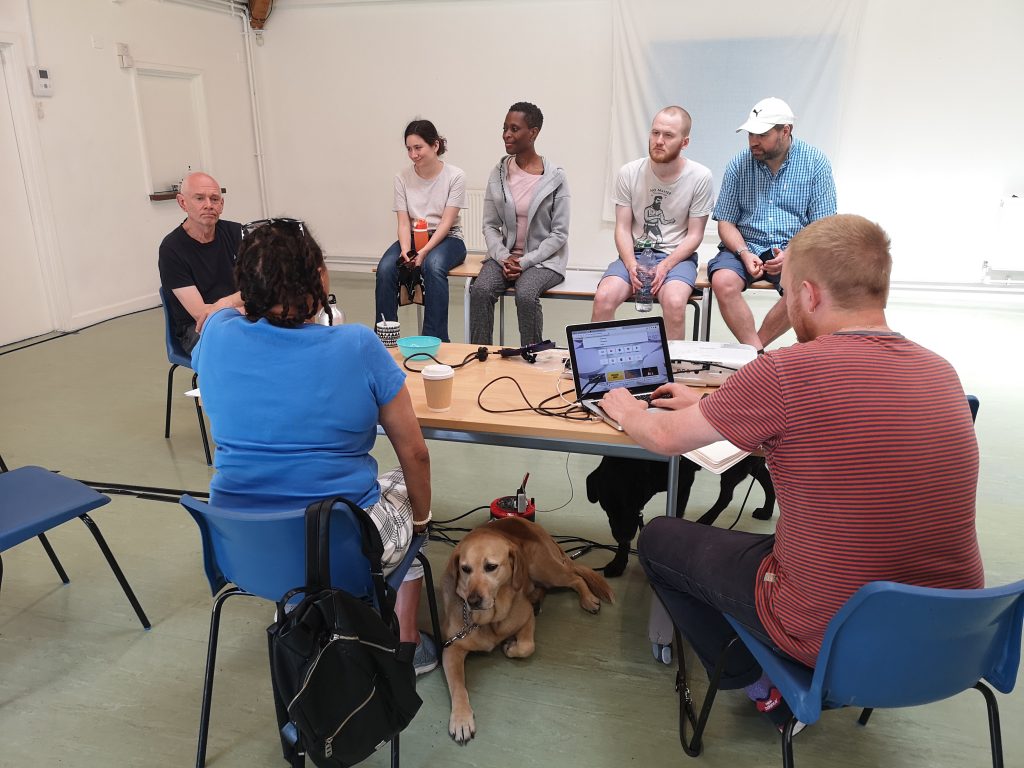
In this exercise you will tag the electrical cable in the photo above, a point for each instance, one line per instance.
(572, 490)
(72, 333)
(572, 412)
(744, 504)
(480, 354)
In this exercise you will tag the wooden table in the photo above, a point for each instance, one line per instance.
(466, 422)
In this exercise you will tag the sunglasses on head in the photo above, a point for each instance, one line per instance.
(252, 226)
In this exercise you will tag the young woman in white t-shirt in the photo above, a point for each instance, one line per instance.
(435, 191)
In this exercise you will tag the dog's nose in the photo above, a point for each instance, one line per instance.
(475, 600)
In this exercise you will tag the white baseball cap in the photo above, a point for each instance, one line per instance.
(766, 114)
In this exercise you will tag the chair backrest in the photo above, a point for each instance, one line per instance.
(176, 354)
(894, 645)
(265, 552)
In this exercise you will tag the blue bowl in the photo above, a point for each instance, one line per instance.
(411, 345)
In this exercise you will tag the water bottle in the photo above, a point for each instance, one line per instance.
(645, 264)
(420, 235)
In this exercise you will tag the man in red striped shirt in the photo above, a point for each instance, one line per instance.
(872, 451)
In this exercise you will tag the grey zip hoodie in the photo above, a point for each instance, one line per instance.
(547, 220)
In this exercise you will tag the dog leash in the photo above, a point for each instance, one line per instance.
(467, 627)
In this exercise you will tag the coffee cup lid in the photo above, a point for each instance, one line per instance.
(387, 324)
(438, 372)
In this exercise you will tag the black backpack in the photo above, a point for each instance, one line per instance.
(343, 683)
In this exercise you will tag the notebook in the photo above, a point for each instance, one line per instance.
(630, 354)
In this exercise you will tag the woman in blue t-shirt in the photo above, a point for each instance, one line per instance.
(294, 405)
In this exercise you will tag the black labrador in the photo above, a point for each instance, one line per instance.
(624, 486)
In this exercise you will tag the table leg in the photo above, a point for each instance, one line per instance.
(501, 319)
(660, 629)
(705, 314)
(465, 310)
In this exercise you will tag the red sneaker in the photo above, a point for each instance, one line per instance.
(778, 711)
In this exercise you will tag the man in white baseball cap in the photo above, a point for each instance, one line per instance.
(770, 191)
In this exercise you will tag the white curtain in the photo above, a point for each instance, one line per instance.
(717, 60)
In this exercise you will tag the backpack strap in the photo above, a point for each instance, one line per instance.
(318, 545)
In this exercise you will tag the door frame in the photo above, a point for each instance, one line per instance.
(33, 170)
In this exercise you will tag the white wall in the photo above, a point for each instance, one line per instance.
(928, 142)
(928, 145)
(340, 84)
(106, 230)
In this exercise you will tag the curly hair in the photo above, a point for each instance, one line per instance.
(279, 264)
(532, 115)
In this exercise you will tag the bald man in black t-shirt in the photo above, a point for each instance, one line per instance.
(197, 259)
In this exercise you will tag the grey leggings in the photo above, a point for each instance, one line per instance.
(491, 283)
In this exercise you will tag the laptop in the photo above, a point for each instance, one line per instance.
(630, 354)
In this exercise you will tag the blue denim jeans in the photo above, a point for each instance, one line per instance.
(448, 254)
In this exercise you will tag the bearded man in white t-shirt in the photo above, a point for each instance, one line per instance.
(665, 198)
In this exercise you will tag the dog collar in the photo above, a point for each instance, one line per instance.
(467, 627)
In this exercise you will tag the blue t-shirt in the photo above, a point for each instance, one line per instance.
(293, 410)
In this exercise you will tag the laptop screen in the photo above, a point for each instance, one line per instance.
(619, 353)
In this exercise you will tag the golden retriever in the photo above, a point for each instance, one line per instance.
(494, 578)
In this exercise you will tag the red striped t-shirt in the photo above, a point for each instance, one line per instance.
(872, 451)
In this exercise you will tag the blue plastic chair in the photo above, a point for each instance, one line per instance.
(263, 555)
(176, 356)
(893, 645)
(36, 500)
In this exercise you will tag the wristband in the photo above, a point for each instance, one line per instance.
(430, 516)
(741, 250)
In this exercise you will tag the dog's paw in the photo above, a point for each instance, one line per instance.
(508, 647)
(590, 603)
(763, 513)
(617, 565)
(462, 728)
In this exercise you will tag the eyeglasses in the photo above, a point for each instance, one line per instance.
(252, 226)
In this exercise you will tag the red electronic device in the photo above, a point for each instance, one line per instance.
(515, 506)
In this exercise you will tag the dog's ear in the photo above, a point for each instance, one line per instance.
(520, 571)
(451, 571)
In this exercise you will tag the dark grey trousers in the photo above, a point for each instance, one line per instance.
(491, 283)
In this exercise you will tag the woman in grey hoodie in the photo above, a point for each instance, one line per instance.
(526, 226)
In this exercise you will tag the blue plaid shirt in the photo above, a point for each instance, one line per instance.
(769, 210)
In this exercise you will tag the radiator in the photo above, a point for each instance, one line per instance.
(473, 221)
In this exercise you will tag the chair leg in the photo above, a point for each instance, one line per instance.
(787, 743)
(211, 663)
(53, 558)
(428, 582)
(993, 724)
(94, 529)
(170, 385)
(202, 425)
(394, 751)
(696, 319)
(694, 746)
(864, 715)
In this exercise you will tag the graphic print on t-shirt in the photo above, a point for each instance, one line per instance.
(654, 217)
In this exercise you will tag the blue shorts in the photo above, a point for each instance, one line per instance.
(685, 271)
(729, 260)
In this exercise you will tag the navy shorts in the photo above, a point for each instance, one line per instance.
(685, 271)
(730, 261)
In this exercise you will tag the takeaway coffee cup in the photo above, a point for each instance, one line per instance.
(437, 384)
(389, 331)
